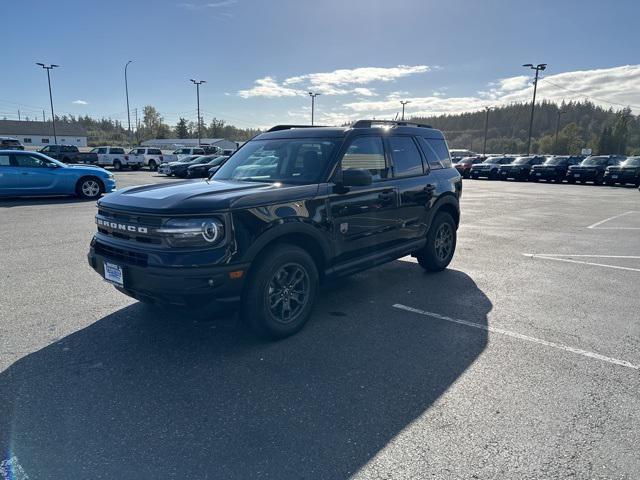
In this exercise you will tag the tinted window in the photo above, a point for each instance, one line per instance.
(118, 151)
(4, 161)
(437, 153)
(154, 151)
(102, 150)
(198, 151)
(367, 153)
(46, 149)
(30, 161)
(406, 157)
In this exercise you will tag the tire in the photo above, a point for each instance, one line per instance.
(571, 180)
(598, 180)
(474, 177)
(435, 256)
(89, 188)
(279, 271)
(493, 174)
(117, 165)
(152, 165)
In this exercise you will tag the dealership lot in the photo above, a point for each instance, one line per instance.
(522, 360)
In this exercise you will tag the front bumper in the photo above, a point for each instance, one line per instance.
(583, 175)
(622, 177)
(182, 286)
(109, 185)
(510, 173)
(546, 173)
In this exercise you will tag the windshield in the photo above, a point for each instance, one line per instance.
(556, 160)
(631, 162)
(493, 160)
(292, 160)
(522, 160)
(595, 161)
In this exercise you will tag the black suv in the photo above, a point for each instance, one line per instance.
(293, 207)
(592, 168)
(520, 168)
(627, 172)
(554, 169)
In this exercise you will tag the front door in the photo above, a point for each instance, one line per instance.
(36, 174)
(364, 219)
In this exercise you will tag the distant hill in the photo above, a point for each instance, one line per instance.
(583, 125)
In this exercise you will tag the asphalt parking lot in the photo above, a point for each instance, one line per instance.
(520, 361)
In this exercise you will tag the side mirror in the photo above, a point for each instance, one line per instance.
(356, 177)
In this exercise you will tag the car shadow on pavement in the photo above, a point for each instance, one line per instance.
(8, 202)
(140, 395)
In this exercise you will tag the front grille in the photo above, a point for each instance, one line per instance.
(123, 220)
(132, 258)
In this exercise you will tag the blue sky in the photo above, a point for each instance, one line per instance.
(260, 57)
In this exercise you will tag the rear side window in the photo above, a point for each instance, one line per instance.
(117, 151)
(367, 153)
(406, 158)
(154, 151)
(198, 151)
(437, 153)
(4, 161)
(102, 150)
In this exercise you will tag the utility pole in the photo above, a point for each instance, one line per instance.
(19, 115)
(53, 115)
(137, 126)
(404, 102)
(43, 119)
(126, 89)
(555, 143)
(313, 105)
(197, 83)
(537, 68)
(486, 129)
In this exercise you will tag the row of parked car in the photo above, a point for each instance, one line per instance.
(117, 157)
(599, 169)
(193, 166)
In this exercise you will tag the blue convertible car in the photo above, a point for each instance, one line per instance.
(24, 173)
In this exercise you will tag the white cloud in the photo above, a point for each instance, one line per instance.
(337, 82)
(268, 87)
(80, 102)
(618, 85)
(202, 6)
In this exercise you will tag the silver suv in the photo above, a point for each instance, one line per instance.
(490, 167)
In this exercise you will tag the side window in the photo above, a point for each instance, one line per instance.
(406, 158)
(441, 151)
(46, 149)
(102, 150)
(198, 151)
(432, 157)
(4, 161)
(154, 151)
(29, 161)
(367, 153)
(117, 151)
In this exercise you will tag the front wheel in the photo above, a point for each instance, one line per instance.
(436, 255)
(89, 188)
(280, 292)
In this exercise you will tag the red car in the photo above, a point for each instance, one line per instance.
(464, 165)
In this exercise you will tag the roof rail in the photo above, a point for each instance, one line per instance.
(277, 128)
(394, 123)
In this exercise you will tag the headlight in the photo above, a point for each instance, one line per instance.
(193, 232)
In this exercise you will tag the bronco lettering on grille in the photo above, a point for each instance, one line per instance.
(121, 226)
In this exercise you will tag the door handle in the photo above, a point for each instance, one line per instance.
(386, 195)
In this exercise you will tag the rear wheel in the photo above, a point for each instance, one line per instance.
(441, 244)
(153, 166)
(89, 188)
(280, 292)
(117, 165)
(598, 180)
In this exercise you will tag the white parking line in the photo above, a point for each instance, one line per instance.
(593, 264)
(527, 338)
(596, 225)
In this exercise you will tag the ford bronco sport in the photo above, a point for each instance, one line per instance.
(292, 208)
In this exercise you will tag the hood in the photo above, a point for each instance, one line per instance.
(197, 197)
(92, 169)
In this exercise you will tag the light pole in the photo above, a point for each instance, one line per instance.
(313, 104)
(53, 116)
(555, 143)
(197, 83)
(486, 129)
(126, 89)
(404, 102)
(537, 68)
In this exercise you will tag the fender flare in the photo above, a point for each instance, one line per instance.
(449, 201)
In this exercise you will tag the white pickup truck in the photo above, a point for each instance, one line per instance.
(116, 157)
(148, 156)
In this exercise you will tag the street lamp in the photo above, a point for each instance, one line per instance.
(53, 117)
(537, 68)
(197, 83)
(486, 129)
(313, 104)
(555, 143)
(404, 102)
(126, 88)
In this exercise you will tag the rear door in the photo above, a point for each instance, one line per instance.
(415, 183)
(365, 219)
(9, 176)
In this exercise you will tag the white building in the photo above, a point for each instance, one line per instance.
(39, 134)
(174, 143)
